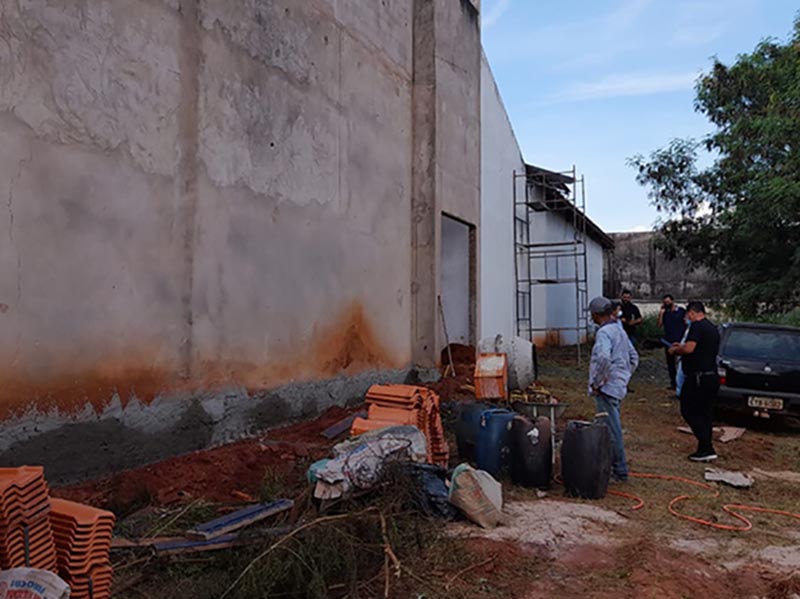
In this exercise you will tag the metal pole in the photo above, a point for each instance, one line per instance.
(451, 366)
(576, 239)
(516, 249)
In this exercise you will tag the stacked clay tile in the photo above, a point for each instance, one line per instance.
(26, 539)
(83, 542)
(397, 405)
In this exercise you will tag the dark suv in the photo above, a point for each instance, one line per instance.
(759, 369)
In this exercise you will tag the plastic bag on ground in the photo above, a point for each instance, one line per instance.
(418, 445)
(360, 465)
(478, 495)
(30, 583)
(430, 492)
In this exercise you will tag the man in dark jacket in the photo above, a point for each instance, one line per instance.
(671, 319)
(631, 315)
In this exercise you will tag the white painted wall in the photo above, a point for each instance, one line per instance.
(553, 305)
(455, 279)
(500, 157)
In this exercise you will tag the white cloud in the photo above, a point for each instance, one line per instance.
(627, 14)
(493, 14)
(617, 86)
(697, 35)
(571, 44)
(641, 229)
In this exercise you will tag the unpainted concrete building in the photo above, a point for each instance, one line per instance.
(223, 215)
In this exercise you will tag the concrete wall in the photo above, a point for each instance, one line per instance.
(447, 156)
(208, 224)
(637, 264)
(500, 157)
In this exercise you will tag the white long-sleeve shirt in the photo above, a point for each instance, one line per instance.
(614, 360)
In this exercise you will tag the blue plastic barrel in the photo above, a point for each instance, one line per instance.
(491, 448)
(469, 423)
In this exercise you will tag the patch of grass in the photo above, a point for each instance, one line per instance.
(272, 485)
(649, 329)
(791, 318)
(176, 521)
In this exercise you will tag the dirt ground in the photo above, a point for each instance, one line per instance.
(551, 546)
(604, 549)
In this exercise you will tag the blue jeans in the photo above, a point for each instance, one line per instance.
(610, 405)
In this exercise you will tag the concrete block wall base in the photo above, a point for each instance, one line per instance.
(90, 444)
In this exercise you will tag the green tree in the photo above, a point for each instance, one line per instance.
(740, 215)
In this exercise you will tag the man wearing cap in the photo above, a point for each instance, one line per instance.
(614, 360)
(699, 362)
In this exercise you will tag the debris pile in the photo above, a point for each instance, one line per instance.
(460, 386)
(398, 405)
(26, 539)
(83, 541)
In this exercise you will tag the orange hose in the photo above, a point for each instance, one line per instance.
(639, 501)
(732, 509)
(729, 508)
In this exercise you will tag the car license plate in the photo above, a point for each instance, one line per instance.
(767, 403)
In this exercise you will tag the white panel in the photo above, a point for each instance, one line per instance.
(455, 279)
(500, 157)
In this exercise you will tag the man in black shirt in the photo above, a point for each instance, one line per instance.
(631, 316)
(699, 362)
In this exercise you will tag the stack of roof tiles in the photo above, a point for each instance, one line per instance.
(83, 542)
(395, 405)
(26, 539)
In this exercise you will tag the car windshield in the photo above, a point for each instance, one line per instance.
(776, 346)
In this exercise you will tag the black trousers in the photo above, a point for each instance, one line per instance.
(672, 366)
(697, 407)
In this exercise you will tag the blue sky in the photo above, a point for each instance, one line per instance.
(594, 82)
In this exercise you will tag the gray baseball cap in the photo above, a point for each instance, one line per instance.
(601, 305)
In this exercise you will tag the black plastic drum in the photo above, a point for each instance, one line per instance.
(531, 452)
(586, 457)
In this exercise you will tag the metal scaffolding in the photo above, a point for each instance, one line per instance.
(545, 262)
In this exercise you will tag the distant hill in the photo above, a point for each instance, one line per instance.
(636, 264)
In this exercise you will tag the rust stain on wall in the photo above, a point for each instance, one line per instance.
(71, 393)
(349, 345)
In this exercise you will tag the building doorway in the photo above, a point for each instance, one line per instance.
(457, 279)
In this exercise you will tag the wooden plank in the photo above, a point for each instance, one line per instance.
(179, 546)
(238, 519)
(343, 425)
(183, 545)
(118, 543)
